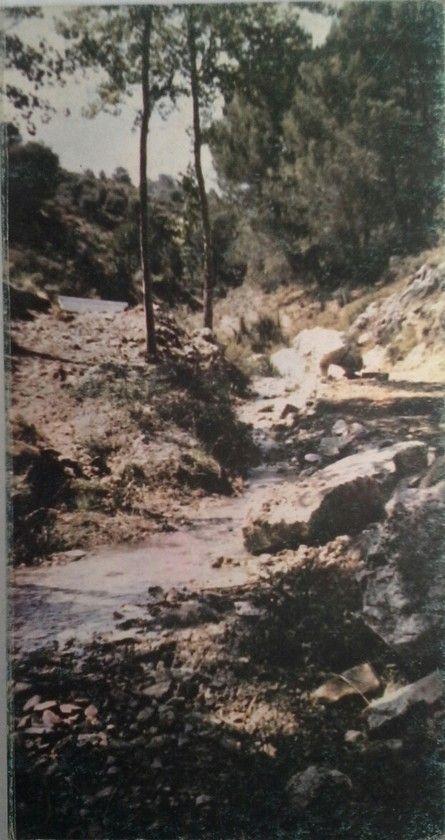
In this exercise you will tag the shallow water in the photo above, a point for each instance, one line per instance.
(76, 601)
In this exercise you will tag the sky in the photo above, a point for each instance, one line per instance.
(106, 141)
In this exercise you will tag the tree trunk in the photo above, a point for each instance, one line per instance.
(207, 235)
(143, 188)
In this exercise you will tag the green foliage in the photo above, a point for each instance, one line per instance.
(266, 48)
(338, 158)
(364, 157)
(33, 174)
(205, 408)
(28, 69)
(200, 402)
(330, 159)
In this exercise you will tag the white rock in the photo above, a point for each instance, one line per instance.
(340, 427)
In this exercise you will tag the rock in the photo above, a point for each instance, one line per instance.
(158, 690)
(330, 447)
(50, 719)
(311, 345)
(188, 613)
(358, 430)
(35, 730)
(340, 427)
(73, 554)
(312, 458)
(300, 363)
(352, 736)
(403, 581)
(203, 800)
(31, 703)
(145, 714)
(389, 612)
(247, 610)
(406, 328)
(42, 707)
(68, 708)
(91, 712)
(435, 474)
(304, 789)
(286, 362)
(104, 793)
(381, 714)
(340, 499)
(361, 679)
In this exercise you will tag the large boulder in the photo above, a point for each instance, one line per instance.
(343, 498)
(308, 348)
(403, 580)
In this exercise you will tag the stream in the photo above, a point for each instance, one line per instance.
(80, 600)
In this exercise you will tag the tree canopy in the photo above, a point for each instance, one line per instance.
(329, 155)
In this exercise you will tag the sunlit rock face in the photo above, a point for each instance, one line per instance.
(343, 498)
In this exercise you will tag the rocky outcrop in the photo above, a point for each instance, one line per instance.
(306, 352)
(342, 498)
(403, 333)
(403, 581)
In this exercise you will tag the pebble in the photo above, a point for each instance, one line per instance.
(312, 458)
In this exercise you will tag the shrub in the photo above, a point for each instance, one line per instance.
(197, 401)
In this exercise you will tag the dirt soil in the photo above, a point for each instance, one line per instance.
(82, 393)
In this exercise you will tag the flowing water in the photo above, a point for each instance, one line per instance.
(78, 600)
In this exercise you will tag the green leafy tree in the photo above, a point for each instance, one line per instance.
(362, 171)
(33, 176)
(134, 48)
(28, 69)
(195, 86)
(265, 45)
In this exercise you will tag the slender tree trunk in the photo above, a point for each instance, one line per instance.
(143, 188)
(207, 235)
